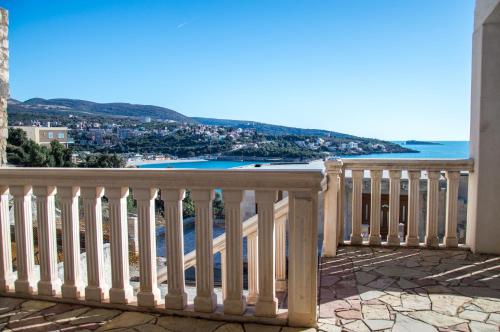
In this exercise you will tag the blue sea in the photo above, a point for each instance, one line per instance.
(444, 150)
(200, 164)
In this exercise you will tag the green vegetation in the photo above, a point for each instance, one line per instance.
(22, 151)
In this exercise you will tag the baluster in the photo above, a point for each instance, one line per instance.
(303, 266)
(96, 289)
(121, 290)
(450, 238)
(176, 297)
(341, 205)
(357, 190)
(205, 300)
(253, 268)
(431, 236)
(49, 283)
(413, 207)
(281, 253)
(267, 303)
(223, 274)
(234, 301)
(72, 287)
(25, 282)
(149, 293)
(375, 238)
(330, 236)
(6, 274)
(394, 193)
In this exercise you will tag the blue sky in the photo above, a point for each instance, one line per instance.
(391, 69)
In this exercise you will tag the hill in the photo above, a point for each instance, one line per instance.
(270, 129)
(53, 106)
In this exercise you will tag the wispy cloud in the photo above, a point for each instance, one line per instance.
(183, 24)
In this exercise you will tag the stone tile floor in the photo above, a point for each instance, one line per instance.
(362, 289)
(403, 289)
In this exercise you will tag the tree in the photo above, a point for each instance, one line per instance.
(103, 160)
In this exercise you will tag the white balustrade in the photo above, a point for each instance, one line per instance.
(149, 293)
(25, 282)
(265, 233)
(6, 274)
(176, 297)
(97, 289)
(234, 301)
(267, 303)
(394, 196)
(121, 290)
(431, 236)
(49, 283)
(72, 287)
(413, 207)
(400, 174)
(205, 300)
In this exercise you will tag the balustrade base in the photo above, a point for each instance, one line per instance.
(148, 298)
(235, 306)
(97, 294)
(25, 286)
(393, 240)
(49, 288)
(176, 302)
(375, 240)
(205, 303)
(266, 308)
(72, 291)
(451, 242)
(356, 239)
(119, 295)
(432, 241)
(412, 241)
(7, 285)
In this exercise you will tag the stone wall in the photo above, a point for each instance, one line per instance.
(4, 83)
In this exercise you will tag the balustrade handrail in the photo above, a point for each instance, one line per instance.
(408, 164)
(241, 179)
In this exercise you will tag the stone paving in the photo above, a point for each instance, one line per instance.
(362, 289)
(385, 289)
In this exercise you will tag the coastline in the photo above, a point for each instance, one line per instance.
(154, 162)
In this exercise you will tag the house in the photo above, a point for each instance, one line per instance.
(45, 135)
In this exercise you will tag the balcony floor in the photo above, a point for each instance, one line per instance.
(403, 289)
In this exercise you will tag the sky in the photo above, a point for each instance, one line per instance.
(388, 69)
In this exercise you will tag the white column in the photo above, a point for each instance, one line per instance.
(49, 283)
(6, 274)
(357, 208)
(176, 297)
(303, 259)
(234, 301)
(72, 287)
(330, 237)
(223, 273)
(205, 300)
(149, 293)
(121, 290)
(267, 303)
(431, 236)
(340, 211)
(483, 208)
(375, 238)
(96, 289)
(413, 207)
(281, 253)
(394, 193)
(25, 282)
(450, 237)
(253, 268)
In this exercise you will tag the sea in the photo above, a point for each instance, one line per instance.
(442, 150)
